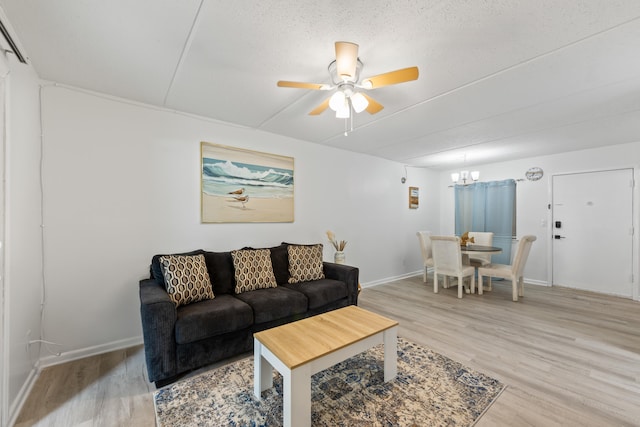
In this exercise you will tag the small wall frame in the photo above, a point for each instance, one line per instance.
(414, 196)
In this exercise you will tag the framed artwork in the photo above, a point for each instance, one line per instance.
(413, 197)
(239, 185)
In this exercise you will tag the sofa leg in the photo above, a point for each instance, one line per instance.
(165, 382)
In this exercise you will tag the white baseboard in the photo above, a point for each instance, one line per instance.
(419, 273)
(89, 351)
(24, 392)
(536, 282)
(390, 279)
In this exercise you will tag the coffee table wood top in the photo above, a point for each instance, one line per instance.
(300, 342)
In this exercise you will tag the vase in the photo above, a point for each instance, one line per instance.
(339, 257)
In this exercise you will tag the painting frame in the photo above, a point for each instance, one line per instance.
(239, 185)
(414, 197)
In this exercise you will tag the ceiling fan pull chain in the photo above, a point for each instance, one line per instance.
(351, 113)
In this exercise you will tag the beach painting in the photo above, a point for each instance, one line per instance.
(239, 185)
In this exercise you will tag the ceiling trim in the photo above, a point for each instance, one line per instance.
(185, 50)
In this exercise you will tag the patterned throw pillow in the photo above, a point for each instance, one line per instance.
(253, 270)
(305, 263)
(186, 278)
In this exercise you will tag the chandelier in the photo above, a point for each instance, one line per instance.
(465, 177)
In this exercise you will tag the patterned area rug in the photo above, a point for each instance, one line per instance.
(429, 390)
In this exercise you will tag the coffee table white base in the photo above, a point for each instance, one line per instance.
(297, 381)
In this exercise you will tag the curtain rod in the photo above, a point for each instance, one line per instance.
(466, 185)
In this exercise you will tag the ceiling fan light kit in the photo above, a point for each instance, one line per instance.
(343, 112)
(359, 102)
(337, 100)
(345, 74)
(342, 101)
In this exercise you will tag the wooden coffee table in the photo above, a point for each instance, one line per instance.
(300, 349)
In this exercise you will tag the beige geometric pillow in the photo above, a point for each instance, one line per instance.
(305, 263)
(253, 270)
(187, 278)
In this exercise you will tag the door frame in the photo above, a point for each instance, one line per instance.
(4, 345)
(635, 214)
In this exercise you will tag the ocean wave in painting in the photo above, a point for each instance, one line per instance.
(220, 177)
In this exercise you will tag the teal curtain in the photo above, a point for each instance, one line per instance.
(488, 206)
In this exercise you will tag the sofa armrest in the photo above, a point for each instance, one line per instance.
(346, 274)
(158, 314)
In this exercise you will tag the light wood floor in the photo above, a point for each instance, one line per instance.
(569, 358)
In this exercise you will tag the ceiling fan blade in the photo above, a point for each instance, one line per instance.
(374, 106)
(320, 108)
(346, 60)
(301, 85)
(391, 78)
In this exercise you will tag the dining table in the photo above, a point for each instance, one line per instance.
(477, 250)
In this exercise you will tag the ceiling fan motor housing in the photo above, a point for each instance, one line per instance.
(337, 79)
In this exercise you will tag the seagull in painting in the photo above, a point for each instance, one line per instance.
(240, 191)
(242, 199)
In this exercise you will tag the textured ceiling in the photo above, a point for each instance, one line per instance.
(499, 79)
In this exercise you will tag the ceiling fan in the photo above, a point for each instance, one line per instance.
(345, 76)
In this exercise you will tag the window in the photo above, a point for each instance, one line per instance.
(488, 206)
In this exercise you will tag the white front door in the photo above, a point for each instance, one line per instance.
(593, 231)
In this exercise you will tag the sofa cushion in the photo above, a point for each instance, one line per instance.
(156, 270)
(220, 266)
(321, 292)
(187, 279)
(273, 304)
(211, 318)
(280, 262)
(253, 270)
(305, 263)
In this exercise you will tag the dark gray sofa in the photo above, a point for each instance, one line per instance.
(178, 340)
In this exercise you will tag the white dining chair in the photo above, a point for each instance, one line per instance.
(447, 261)
(424, 237)
(514, 272)
(483, 238)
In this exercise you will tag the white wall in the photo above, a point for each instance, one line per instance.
(122, 184)
(533, 197)
(23, 237)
